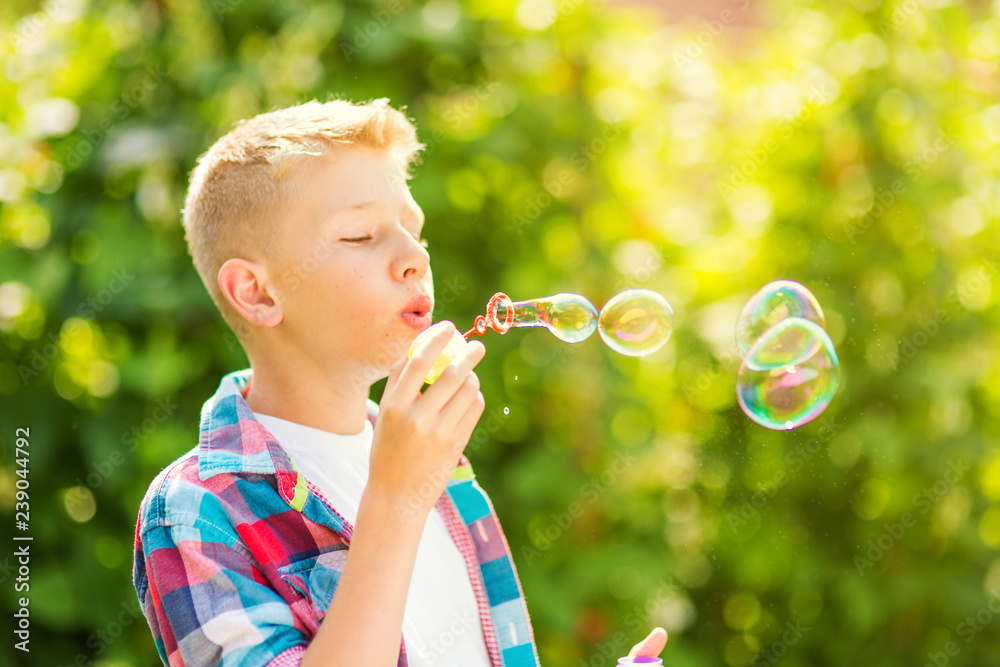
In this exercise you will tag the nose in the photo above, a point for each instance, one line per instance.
(412, 261)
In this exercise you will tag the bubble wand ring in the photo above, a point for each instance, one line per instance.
(491, 320)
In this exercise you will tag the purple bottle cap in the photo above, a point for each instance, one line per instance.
(640, 660)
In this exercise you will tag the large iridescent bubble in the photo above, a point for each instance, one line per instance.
(773, 303)
(636, 322)
(789, 375)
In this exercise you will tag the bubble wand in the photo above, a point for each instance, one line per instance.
(635, 322)
(569, 317)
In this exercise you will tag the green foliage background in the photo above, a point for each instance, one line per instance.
(573, 147)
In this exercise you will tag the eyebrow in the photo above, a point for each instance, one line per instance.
(371, 204)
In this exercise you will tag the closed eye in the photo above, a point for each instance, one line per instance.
(362, 239)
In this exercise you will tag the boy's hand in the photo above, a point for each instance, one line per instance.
(652, 645)
(419, 437)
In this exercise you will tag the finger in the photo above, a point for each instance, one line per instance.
(467, 424)
(460, 401)
(395, 370)
(415, 369)
(453, 377)
(652, 645)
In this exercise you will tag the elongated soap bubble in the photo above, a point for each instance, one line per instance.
(636, 322)
(774, 302)
(569, 317)
(789, 375)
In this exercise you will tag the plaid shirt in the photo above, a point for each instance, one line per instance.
(237, 556)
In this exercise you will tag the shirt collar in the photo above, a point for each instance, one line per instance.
(232, 439)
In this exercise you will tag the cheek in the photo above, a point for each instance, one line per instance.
(349, 290)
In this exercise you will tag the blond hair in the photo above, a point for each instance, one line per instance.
(241, 184)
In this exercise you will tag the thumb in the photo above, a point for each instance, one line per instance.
(652, 645)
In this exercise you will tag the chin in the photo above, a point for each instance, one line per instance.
(385, 355)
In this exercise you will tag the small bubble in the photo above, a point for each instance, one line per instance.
(506, 411)
(515, 378)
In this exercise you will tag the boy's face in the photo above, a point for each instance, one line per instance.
(351, 264)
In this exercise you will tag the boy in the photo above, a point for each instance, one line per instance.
(302, 226)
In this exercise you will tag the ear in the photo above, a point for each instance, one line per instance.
(245, 285)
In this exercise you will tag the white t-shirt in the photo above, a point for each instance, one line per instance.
(441, 624)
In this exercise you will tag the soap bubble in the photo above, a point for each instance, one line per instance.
(789, 375)
(569, 317)
(773, 303)
(636, 322)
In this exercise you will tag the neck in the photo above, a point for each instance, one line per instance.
(308, 394)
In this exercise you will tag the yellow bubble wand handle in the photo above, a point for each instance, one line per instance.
(449, 352)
